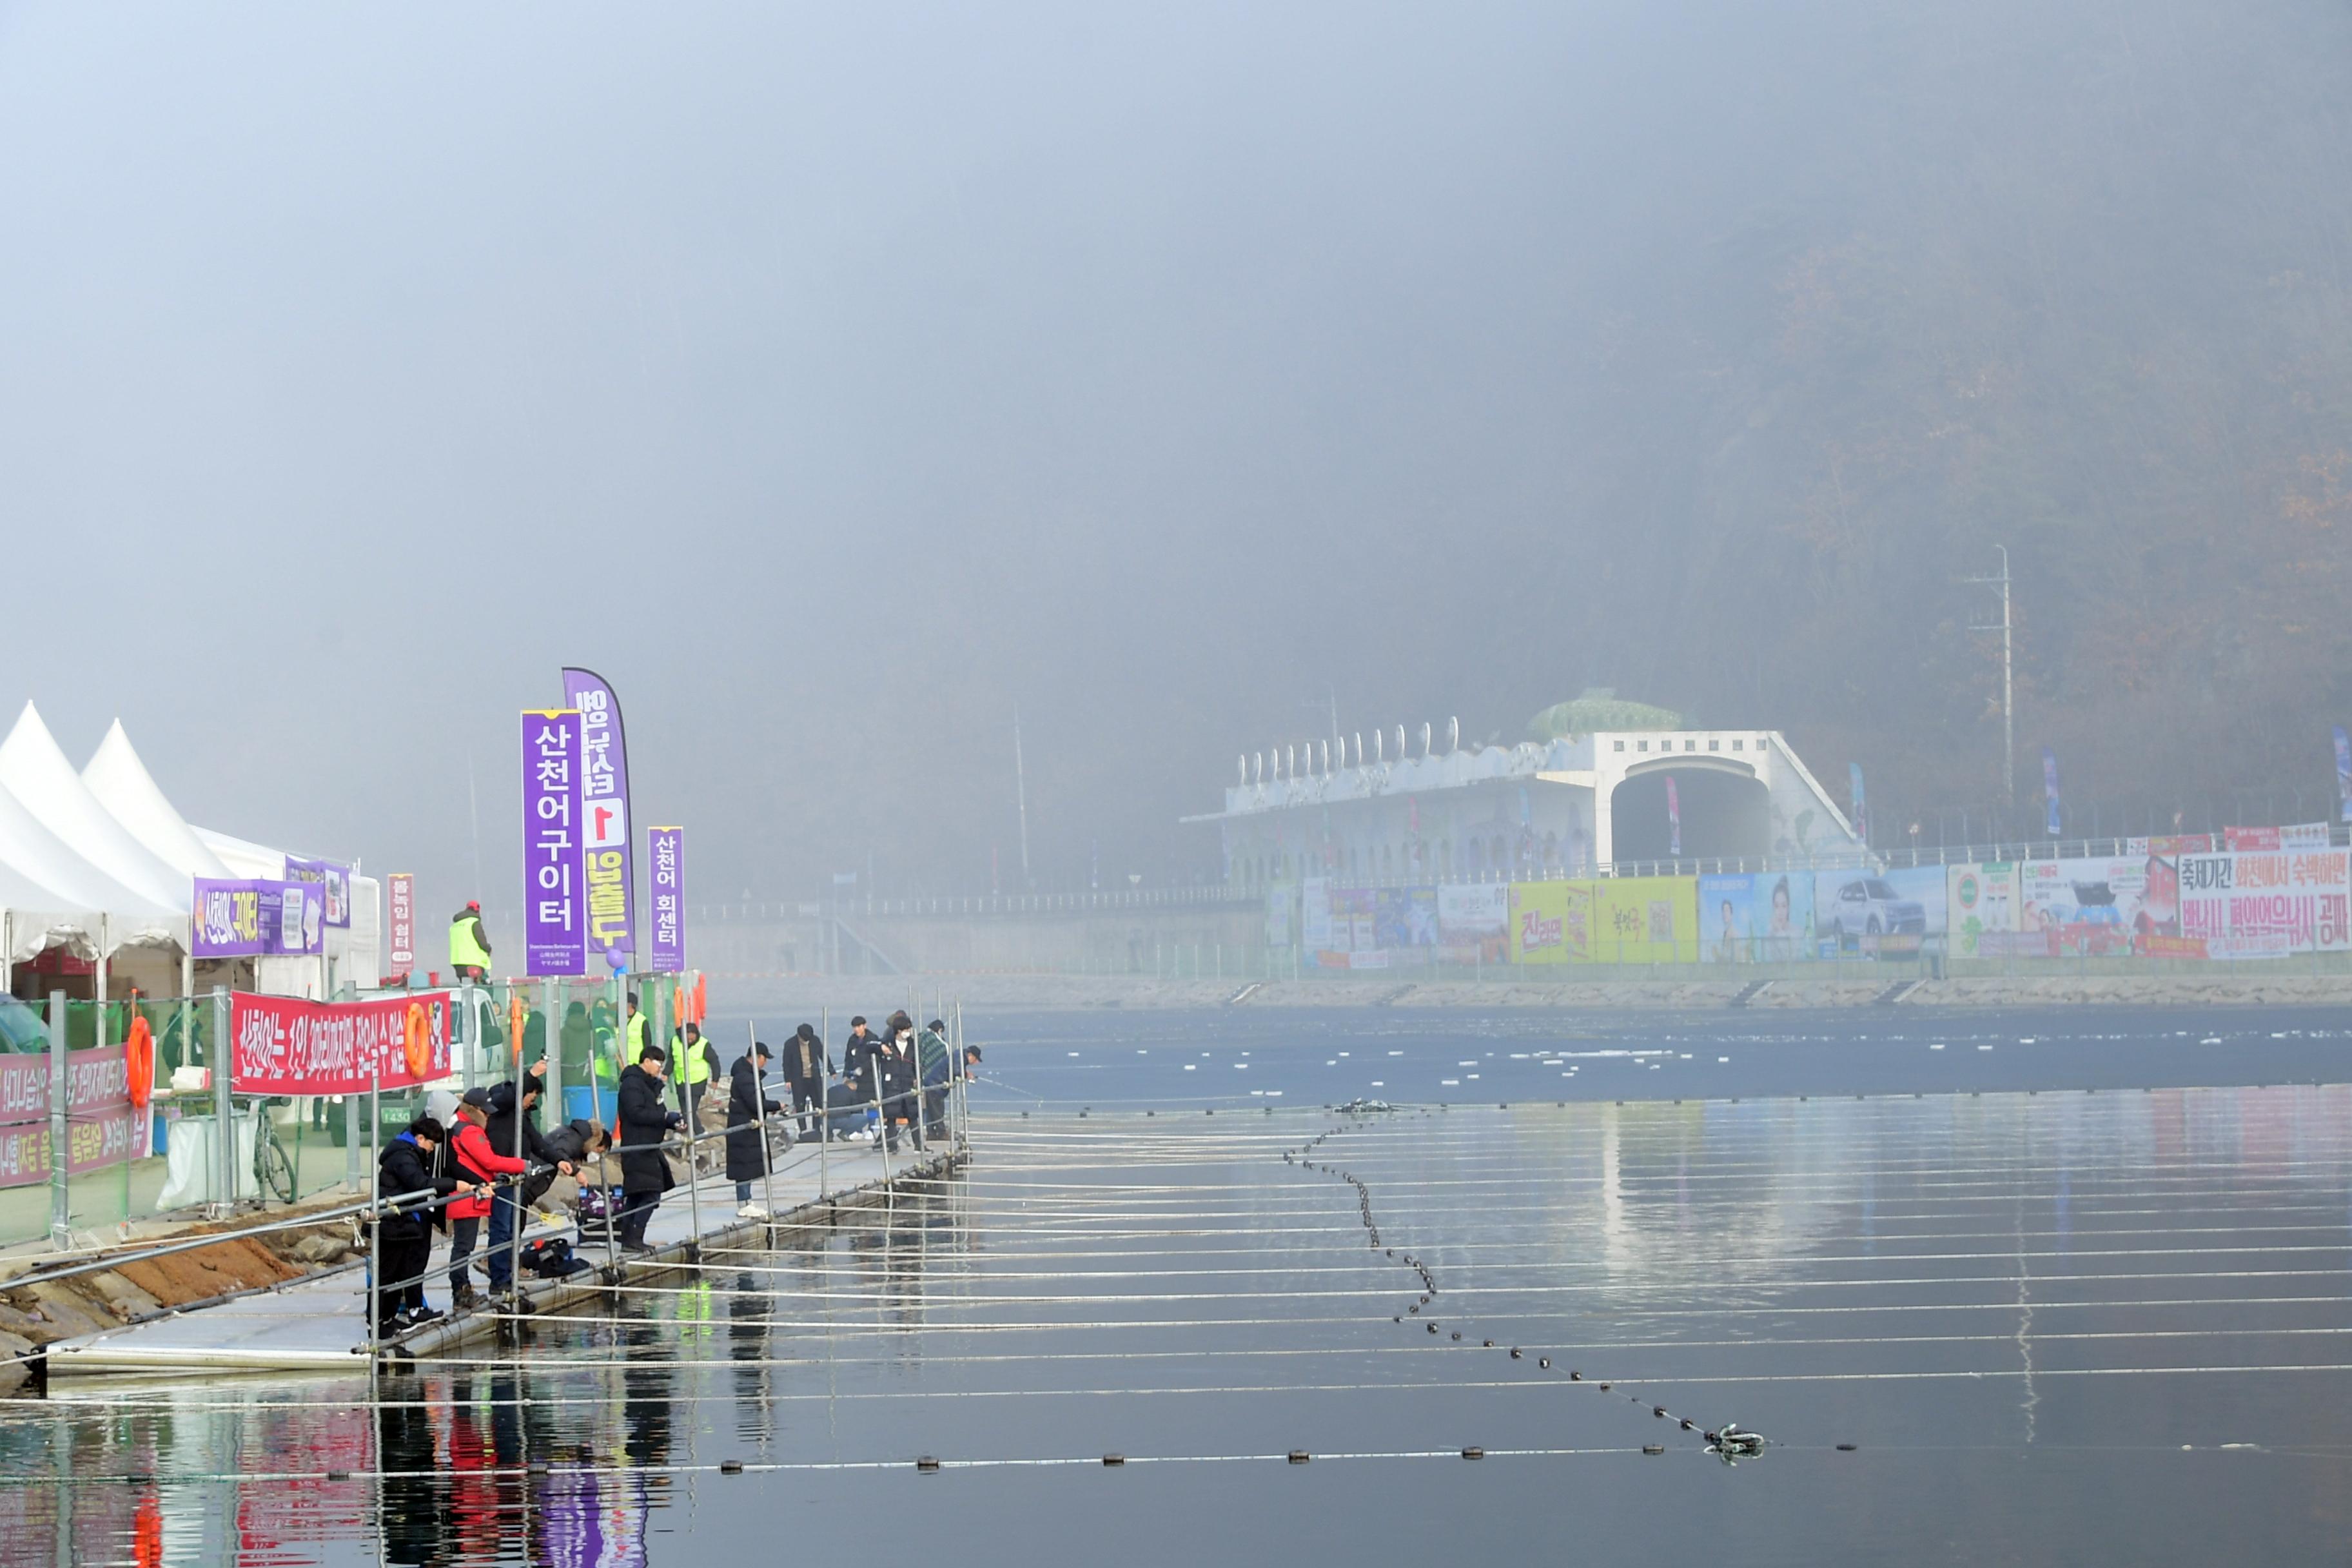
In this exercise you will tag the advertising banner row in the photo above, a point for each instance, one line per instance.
(2269, 903)
(2181, 898)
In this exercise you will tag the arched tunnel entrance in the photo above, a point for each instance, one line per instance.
(1725, 815)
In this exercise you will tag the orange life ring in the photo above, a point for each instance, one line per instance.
(419, 1042)
(139, 1060)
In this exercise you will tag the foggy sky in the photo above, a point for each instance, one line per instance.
(834, 379)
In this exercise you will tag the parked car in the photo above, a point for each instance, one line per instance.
(1869, 906)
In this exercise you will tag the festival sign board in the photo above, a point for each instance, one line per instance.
(286, 1044)
(666, 851)
(102, 1127)
(1756, 917)
(1646, 920)
(256, 917)
(1314, 914)
(1981, 903)
(1888, 913)
(1551, 922)
(334, 879)
(556, 925)
(1471, 918)
(2263, 904)
(401, 893)
(604, 817)
(2086, 906)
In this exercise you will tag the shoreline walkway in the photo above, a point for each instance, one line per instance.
(319, 1322)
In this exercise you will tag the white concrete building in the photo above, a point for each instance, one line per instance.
(1596, 803)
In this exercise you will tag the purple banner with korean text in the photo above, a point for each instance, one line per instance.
(555, 905)
(666, 848)
(334, 879)
(248, 919)
(604, 817)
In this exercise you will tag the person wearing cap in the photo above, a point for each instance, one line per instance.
(470, 945)
(512, 1130)
(405, 1166)
(933, 1069)
(646, 1123)
(479, 1162)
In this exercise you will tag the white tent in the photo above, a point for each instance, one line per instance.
(243, 857)
(120, 781)
(34, 771)
(39, 857)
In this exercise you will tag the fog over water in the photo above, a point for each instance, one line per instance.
(836, 380)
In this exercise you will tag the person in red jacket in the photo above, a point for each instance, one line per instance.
(477, 1162)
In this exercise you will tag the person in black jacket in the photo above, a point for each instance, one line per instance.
(747, 1105)
(513, 1129)
(897, 1058)
(805, 1069)
(405, 1237)
(646, 1121)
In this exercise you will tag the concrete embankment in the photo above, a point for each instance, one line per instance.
(2237, 985)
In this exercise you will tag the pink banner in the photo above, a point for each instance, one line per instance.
(101, 1130)
(283, 1045)
(403, 888)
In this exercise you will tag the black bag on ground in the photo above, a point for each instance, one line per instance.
(551, 1258)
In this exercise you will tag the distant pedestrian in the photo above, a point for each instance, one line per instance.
(405, 1238)
(646, 1123)
(746, 1108)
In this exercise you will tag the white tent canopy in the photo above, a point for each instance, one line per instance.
(243, 857)
(38, 856)
(120, 781)
(36, 771)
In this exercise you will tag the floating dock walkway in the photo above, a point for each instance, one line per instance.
(319, 1322)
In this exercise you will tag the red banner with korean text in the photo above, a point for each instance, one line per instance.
(284, 1045)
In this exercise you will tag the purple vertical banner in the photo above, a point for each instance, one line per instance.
(666, 848)
(604, 817)
(1674, 819)
(554, 896)
(2051, 820)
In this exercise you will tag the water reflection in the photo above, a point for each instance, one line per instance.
(2021, 1276)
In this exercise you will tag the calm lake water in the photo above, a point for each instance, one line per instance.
(2054, 1327)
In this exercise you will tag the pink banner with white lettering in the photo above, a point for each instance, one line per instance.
(283, 1045)
(101, 1128)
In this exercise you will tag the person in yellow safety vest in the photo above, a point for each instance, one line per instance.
(640, 1034)
(695, 1059)
(470, 945)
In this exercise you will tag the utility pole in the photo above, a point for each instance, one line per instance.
(2008, 677)
(1021, 795)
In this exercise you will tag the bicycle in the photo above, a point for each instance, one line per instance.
(273, 1171)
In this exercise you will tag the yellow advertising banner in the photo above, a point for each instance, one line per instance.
(1620, 920)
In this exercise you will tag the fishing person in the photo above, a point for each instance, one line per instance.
(695, 1064)
(934, 1066)
(469, 944)
(405, 1236)
(747, 1107)
(512, 1130)
(646, 1123)
(477, 1162)
(805, 1071)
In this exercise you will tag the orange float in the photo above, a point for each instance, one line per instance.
(139, 1060)
(419, 1042)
